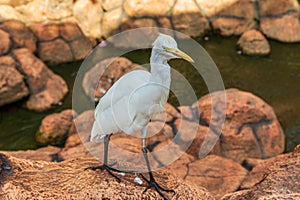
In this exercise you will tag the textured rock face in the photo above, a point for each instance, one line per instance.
(280, 181)
(251, 128)
(21, 35)
(12, 85)
(68, 180)
(60, 43)
(55, 127)
(280, 20)
(5, 42)
(101, 77)
(46, 88)
(254, 43)
(230, 17)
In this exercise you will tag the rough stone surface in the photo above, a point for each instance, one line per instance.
(219, 175)
(267, 8)
(188, 19)
(56, 51)
(48, 154)
(232, 26)
(5, 42)
(69, 180)
(46, 32)
(111, 22)
(21, 35)
(54, 128)
(46, 88)
(254, 43)
(280, 181)
(144, 8)
(7, 12)
(89, 22)
(12, 85)
(101, 77)
(285, 28)
(229, 17)
(251, 128)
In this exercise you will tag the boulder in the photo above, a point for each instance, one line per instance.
(5, 42)
(229, 17)
(90, 22)
(188, 19)
(253, 42)
(21, 35)
(46, 88)
(281, 180)
(251, 128)
(217, 174)
(68, 180)
(54, 128)
(48, 153)
(101, 77)
(148, 8)
(61, 43)
(280, 20)
(12, 85)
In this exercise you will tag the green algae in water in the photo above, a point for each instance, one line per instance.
(274, 78)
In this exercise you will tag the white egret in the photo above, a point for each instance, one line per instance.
(131, 102)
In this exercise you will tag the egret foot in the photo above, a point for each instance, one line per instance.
(158, 188)
(107, 168)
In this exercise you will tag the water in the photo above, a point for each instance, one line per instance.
(274, 78)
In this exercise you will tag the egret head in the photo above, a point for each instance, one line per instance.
(167, 47)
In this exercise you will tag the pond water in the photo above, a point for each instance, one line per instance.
(274, 78)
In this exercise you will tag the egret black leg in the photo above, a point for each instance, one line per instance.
(105, 166)
(152, 182)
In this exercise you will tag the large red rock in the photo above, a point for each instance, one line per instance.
(46, 88)
(21, 35)
(27, 179)
(253, 42)
(12, 85)
(281, 180)
(251, 128)
(55, 127)
(217, 174)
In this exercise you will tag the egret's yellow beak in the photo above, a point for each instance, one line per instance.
(178, 53)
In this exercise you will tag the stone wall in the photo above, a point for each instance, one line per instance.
(276, 19)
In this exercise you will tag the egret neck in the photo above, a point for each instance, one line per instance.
(160, 69)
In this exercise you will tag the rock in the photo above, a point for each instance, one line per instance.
(111, 4)
(101, 77)
(48, 154)
(46, 88)
(111, 22)
(12, 85)
(229, 26)
(254, 43)
(219, 175)
(54, 128)
(280, 181)
(284, 29)
(268, 8)
(61, 43)
(148, 8)
(188, 19)
(259, 171)
(89, 22)
(55, 52)
(7, 12)
(251, 128)
(229, 17)
(61, 181)
(5, 42)
(21, 35)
